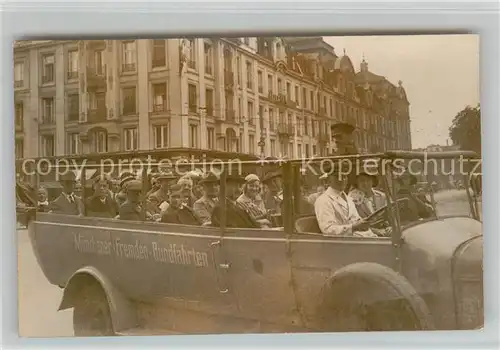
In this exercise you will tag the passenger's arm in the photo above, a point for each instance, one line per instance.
(328, 222)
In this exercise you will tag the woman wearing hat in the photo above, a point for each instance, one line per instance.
(131, 209)
(121, 197)
(251, 200)
(364, 195)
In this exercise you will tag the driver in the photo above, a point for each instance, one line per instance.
(335, 211)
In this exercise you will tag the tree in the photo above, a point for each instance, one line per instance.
(465, 129)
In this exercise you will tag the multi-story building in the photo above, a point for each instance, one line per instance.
(252, 95)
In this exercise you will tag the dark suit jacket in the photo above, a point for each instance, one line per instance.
(184, 216)
(236, 216)
(95, 207)
(131, 211)
(61, 205)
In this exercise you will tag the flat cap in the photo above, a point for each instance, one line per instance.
(134, 185)
(251, 178)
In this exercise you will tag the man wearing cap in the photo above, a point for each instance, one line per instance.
(204, 206)
(67, 202)
(131, 209)
(342, 135)
(101, 203)
(335, 211)
(178, 212)
(236, 215)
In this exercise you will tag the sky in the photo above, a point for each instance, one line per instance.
(440, 74)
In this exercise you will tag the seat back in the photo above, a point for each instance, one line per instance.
(307, 224)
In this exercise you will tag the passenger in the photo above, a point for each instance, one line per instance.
(121, 197)
(153, 211)
(236, 215)
(164, 180)
(343, 137)
(251, 200)
(273, 197)
(364, 195)
(67, 202)
(178, 212)
(204, 206)
(43, 203)
(416, 208)
(319, 190)
(101, 203)
(131, 209)
(336, 212)
(187, 187)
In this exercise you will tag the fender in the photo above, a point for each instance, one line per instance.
(123, 313)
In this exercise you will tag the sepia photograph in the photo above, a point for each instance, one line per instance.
(225, 185)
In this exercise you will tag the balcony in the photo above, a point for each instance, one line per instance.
(285, 129)
(96, 77)
(72, 75)
(228, 80)
(128, 67)
(231, 116)
(97, 115)
(159, 108)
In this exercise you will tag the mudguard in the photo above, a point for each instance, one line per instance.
(123, 313)
(395, 286)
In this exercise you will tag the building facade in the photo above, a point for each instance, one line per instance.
(276, 96)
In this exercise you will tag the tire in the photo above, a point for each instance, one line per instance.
(91, 313)
(372, 297)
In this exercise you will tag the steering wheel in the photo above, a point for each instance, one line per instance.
(379, 219)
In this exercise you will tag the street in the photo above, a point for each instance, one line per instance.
(38, 299)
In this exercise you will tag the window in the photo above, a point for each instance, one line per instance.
(330, 109)
(271, 119)
(130, 139)
(48, 110)
(238, 69)
(246, 41)
(193, 136)
(47, 145)
(270, 84)
(251, 144)
(288, 91)
(99, 62)
(311, 97)
(129, 100)
(128, 56)
(261, 115)
(73, 146)
(159, 97)
(19, 121)
(73, 106)
(297, 95)
(273, 148)
(209, 58)
(306, 126)
(304, 98)
(280, 86)
(72, 65)
(193, 98)
(211, 138)
(161, 136)
(99, 142)
(192, 54)
(209, 101)
(19, 150)
(314, 150)
(308, 152)
(48, 69)
(159, 55)
(250, 111)
(18, 74)
(299, 150)
(249, 75)
(260, 81)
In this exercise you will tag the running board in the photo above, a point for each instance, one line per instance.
(142, 332)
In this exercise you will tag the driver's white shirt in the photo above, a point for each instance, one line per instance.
(336, 213)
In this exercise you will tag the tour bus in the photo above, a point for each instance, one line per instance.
(146, 277)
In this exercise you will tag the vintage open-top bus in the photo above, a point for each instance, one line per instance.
(146, 278)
